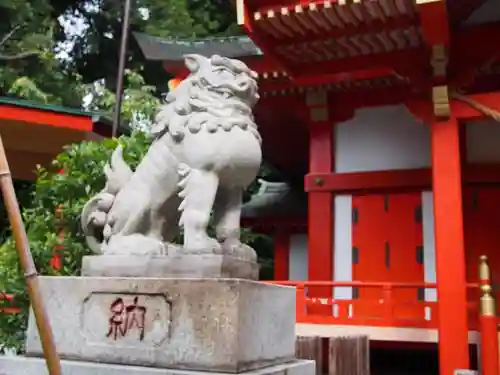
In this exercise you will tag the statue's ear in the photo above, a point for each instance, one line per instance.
(193, 62)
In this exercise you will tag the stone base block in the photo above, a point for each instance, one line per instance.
(36, 366)
(226, 325)
(178, 266)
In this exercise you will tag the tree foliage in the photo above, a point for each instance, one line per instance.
(51, 49)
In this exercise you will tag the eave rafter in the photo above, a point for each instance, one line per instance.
(319, 31)
(245, 20)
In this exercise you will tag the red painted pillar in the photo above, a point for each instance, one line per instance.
(281, 255)
(320, 208)
(449, 243)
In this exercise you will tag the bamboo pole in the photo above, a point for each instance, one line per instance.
(122, 61)
(28, 266)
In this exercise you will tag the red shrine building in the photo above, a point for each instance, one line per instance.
(383, 117)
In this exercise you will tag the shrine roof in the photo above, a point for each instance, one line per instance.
(155, 48)
(48, 107)
(99, 120)
(160, 49)
(34, 133)
(274, 199)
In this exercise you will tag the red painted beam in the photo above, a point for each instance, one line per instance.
(406, 179)
(271, 85)
(35, 116)
(434, 22)
(417, 58)
(368, 181)
(422, 109)
(375, 97)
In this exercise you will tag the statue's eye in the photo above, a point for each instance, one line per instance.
(204, 81)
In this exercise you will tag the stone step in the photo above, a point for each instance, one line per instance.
(36, 366)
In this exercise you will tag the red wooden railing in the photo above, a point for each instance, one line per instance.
(387, 310)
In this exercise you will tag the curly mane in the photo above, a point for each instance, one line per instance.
(219, 93)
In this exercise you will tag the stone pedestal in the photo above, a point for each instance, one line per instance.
(217, 325)
(176, 266)
(35, 366)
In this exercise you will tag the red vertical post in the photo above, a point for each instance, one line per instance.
(320, 209)
(449, 242)
(281, 255)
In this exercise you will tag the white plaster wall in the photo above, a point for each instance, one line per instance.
(483, 142)
(298, 257)
(382, 138)
(429, 247)
(343, 244)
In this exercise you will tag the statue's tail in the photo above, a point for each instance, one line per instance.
(95, 221)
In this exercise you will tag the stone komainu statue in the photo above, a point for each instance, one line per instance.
(206, 151)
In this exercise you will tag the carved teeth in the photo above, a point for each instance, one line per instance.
(182, 205)
(183, 170)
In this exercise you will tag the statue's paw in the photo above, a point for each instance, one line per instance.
(205, 245)
(135, 245)
(239, 250)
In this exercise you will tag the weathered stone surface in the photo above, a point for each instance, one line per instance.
(35, 366)
(179, 265)
(226, 325)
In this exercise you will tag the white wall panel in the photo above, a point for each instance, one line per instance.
(383, 138)
(298, 257)
(343, 244)
(429, 245)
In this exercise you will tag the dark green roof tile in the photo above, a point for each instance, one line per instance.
(155, 48)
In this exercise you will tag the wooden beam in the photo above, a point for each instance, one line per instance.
(418, 58)
(395, 180)
(423, 110)
(357, 182)
(271, 85)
